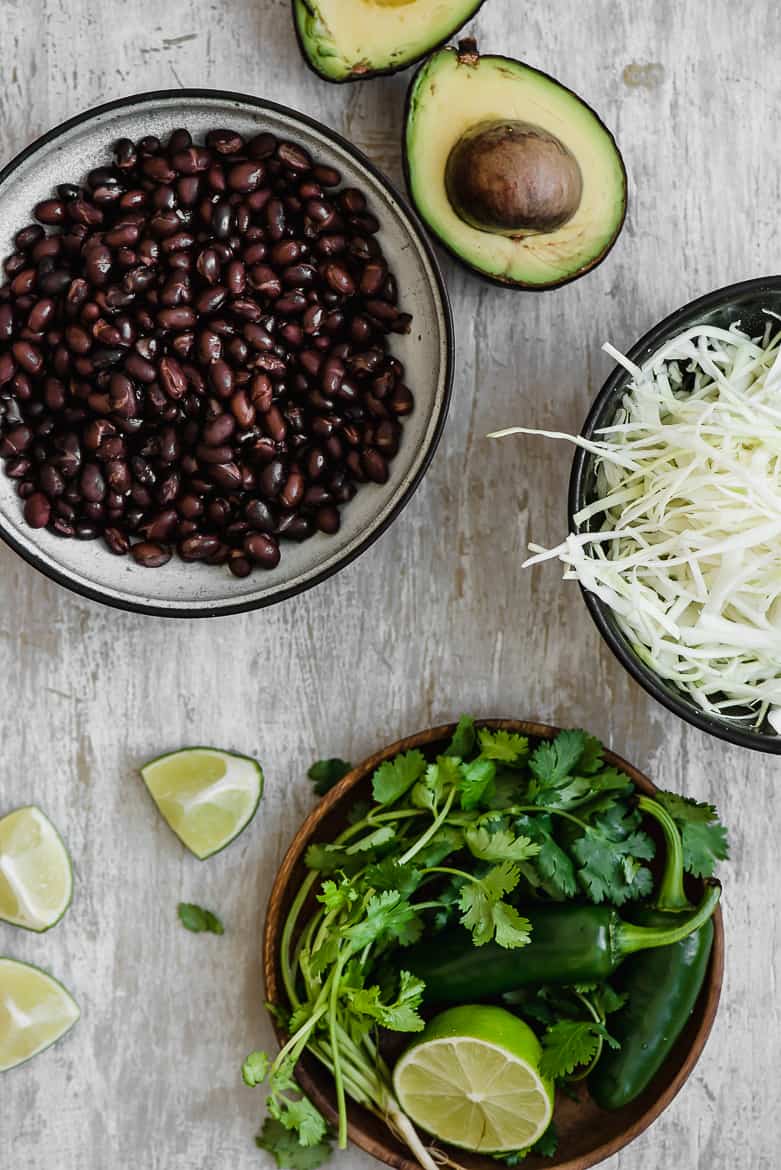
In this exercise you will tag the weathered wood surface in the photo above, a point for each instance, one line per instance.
(438, 619)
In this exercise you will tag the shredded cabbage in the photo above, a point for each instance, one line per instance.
(683, 538)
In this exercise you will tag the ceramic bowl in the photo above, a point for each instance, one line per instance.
(738, 303)
(66, 154)
(587, 1134)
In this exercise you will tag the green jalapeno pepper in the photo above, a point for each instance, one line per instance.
(569, 944)
(662, 987)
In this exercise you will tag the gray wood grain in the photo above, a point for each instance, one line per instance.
(438, 619)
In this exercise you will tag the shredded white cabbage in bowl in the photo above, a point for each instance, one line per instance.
(684, 535)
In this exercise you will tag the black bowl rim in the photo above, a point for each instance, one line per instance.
(642, 674)
(93, 593)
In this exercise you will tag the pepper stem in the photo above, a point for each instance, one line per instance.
(671, 894)
(628, 937)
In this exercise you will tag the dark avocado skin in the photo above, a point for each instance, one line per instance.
(372, 73)
(515, 285)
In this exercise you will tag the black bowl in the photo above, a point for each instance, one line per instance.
(737, 303)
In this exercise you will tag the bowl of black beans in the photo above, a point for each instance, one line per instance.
(225, 353)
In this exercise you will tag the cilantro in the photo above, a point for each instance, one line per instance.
(386, 914)
(501, 845)
(336, 896)
(445, 841)
(503, 746)
(255, 1069)
(548, 1144)
(463, 741)
(704, 838)
(372, 841)
(553, 760)
(286, 1103)
(196, 919)
(429, 792)
(610, 854)
(568, 1044)
(487, 915)
(475, 782)
(552, 864)
(324, 774)
(389, 875)
(287, 1151)
(591, 759)
(393, 777)
(401, 1015)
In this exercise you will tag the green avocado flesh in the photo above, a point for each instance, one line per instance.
(346, 40)
(516, 175)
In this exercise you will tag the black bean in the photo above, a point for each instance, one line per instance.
(224, 141)
(37, 510)
(263, 549)
(150, 555)
(117, 541)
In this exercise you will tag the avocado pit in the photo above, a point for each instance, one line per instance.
(510, 177)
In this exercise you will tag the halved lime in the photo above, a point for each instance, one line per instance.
(472, 1079)
(35, 1010)
(36, 879)
(207, 796)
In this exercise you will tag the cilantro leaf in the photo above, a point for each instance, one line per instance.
(591, 759)
(337, 896)
(394, 777)
(555, 759)
(463, 742)
(255, 1069)
(300, 1115)
(287, 1151)
(386, 914)
(704, 838)
(503, 746)
(501, 845)
(389, 875)
(324, 774)
(196, 919)
(512, 929)
(437, 780)
(401, 1015)
(568, 1044)
(445, 841)
(475, 782)
(552, 863)
(372, 840)
(486, 915)
(610, 853)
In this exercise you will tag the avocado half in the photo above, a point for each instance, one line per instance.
(519, 178)
(350, 40)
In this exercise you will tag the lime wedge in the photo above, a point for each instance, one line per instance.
(473, 1080)
(35, 1010)
(36, 879)
(207, 796)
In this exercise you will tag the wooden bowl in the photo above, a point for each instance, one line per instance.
(587, 1134)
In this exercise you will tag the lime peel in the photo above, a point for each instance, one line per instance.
(36, 876)
(35, 1012)
(207, 796)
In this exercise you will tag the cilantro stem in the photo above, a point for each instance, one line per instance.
(435, 825)
(336, 978)
(598, 1019)
(537, 808)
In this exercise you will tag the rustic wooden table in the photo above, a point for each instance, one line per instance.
(439, 618)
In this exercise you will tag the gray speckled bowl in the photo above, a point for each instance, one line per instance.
(178, 589)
